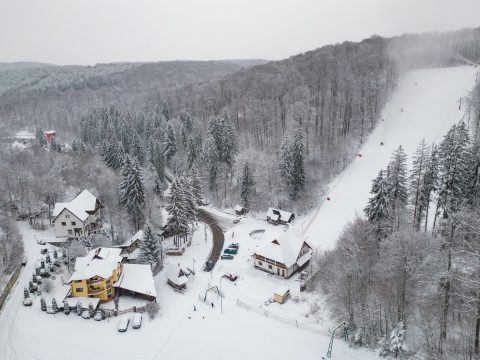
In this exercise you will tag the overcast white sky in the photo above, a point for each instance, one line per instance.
(93, 31)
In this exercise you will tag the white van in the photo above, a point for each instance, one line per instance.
(123, 324)
(137, 321)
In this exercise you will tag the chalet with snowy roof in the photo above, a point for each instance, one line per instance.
(137, 280)
(132, 244)
(176, 277)
(78, 217)
(283, 255)
(50, 135)
(95, 274)
(240, 210)
(276, 216)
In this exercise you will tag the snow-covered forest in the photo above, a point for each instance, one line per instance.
(178, 135)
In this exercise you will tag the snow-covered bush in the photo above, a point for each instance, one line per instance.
(152, 309)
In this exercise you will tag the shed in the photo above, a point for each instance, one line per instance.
(277, 216)
(176, 277)
(281, 294)
(240, 210)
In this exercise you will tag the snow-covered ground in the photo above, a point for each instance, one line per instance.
(429, 99)
(425, 105)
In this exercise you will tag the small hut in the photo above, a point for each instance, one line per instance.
(281, 294)
(176, 277)
(240, 210)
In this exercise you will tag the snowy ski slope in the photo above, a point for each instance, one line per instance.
(425, 105)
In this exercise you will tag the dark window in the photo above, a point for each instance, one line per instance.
(269, 266)
(260, 263)
(64, 223)
(74, 223)
(79, 290)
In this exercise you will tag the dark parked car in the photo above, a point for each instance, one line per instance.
(230, 251)
(234, 245)
(209, 265)
(227, 257)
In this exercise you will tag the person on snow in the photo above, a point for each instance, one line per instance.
(212, 304)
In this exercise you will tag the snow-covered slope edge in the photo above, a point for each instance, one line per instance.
(425, 105)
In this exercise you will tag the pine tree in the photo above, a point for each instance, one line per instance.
(43, 304)
(187, 126)
(417, 177)
(286, 159)
(113, 154)
(149, 246)
(189, 198)
(177, 222)
(40, 137)
(211, 160)
(91, 310)
(196, 186)
(132, 190)
(246, 186)
(472, 186)
(454, 155)
(170, 143)
(377, 210)
(192, 152)
(79, 309)
(298, 170)
(396, 186)
(54, 306)
(165, 111)
(430, 182)
(136, 148)
(66, 307)
(157, 160)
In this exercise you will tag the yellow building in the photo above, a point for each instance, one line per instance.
(96, 273)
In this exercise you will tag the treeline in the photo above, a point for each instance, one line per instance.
(407, 279)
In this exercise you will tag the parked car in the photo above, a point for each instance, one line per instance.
(41, 241)
(234, 245)
(98, 316)
(209, 265)
(43, 251)
(24, 261)
(137, 321)
(230, 251)
(86, 314)
(123, 324)
(226, 257)
(236, 221)
(27, 301)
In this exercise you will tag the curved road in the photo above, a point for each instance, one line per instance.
(218, 237)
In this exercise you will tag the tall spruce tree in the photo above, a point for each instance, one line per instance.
(132, 190)
(169, 143)
(149, 246)
(417, 177)
(297, 185)
(378, 209)
(396, 186)
(196, 186)
(177, 221)
(247, 183)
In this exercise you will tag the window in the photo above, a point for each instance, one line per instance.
(67, 216)
(260, 263)
(64, 223)
(70, 232)
(74, 223)
(79, 290)
(270, 267)
(78, 281)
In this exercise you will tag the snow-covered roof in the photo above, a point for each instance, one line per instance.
(239, 208)
(98, 262)
(137, 236)
(85, 201)
(84, 302)
(176, 275)
(284, 248)
(282, 290)
(137, 278)
(61, 293)
(49, 132)
(275, 213)
(135, 254)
